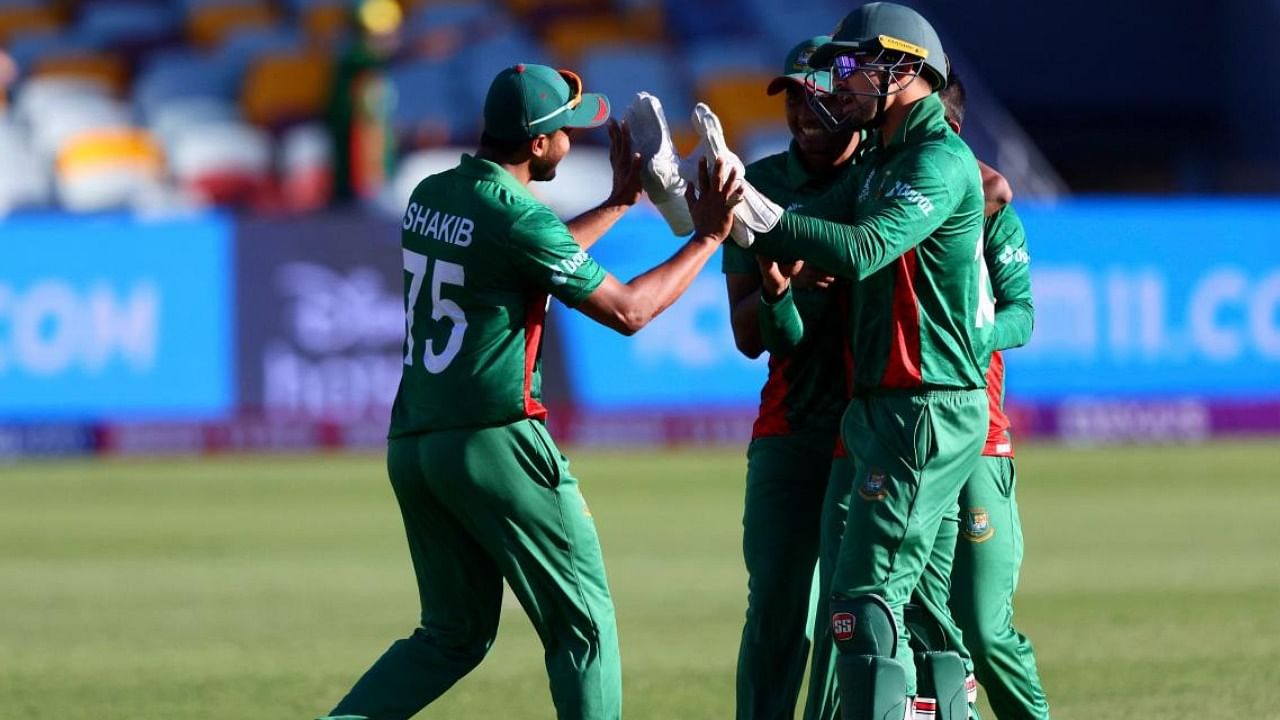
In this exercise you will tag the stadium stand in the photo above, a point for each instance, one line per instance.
(228, 101)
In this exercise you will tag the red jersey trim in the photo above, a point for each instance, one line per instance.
(999, 442)
(535, 317)
(903, 367)
(846, 355)
(772, 419)
(840, 450)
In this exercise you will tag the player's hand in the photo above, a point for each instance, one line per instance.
(996, 192)
(808, 277)
(628, 166)
(775, 277)
(717, 192)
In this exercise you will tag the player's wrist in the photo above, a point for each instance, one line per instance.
(711, 239)
(774, 293)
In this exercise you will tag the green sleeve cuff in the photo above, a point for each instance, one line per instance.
(1014, 324)
(781, 327)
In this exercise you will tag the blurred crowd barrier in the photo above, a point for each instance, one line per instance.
(1156, 320)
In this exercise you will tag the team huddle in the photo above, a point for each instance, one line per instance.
(881, 268)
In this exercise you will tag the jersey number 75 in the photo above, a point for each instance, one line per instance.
(444, 273)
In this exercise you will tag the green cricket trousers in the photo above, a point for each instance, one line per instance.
(987, 560)
(481, 505)
(782, 533)
(912, 453)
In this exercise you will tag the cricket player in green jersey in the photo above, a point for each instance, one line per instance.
(484, 493)
(907, 228)
(989, 552)
(775, 279)
(790, 456)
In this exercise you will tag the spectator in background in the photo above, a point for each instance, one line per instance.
(8, 73)
(361, 103)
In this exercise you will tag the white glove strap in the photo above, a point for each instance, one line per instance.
(757, 211)
(741, 234)
(675, 211)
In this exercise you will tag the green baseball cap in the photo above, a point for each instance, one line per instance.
(526, 101)
(797, 70)
(887, 26)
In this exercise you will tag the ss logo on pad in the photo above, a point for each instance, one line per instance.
(842, 625)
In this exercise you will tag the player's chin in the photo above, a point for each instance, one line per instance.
(813, 139)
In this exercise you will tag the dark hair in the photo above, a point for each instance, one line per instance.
(953, 98)
(501, 147)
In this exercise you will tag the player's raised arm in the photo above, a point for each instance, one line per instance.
(744, 311)
(628, 307)
(628, 169)
(1004, 246)
(1008, 264)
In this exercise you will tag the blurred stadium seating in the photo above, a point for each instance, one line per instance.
(213, 89)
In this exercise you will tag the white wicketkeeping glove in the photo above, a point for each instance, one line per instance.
(756, 213)
(651, 137)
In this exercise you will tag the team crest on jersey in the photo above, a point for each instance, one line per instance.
(976, 525)
(873, 488)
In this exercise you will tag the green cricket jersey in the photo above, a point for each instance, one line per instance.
(807, 388)
(1008, 263)
(908, 227)
(481, 256)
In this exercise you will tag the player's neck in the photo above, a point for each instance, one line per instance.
(894, 118)
(895, 115)
(519, 171)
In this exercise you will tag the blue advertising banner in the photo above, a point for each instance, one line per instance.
(1135, 300)
(684, 359)
(1152, 298)
(111, 316)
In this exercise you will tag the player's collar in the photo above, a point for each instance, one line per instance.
(924, 118)
(482, 169)
(797, 174)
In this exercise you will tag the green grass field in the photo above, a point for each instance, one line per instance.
(260, 587)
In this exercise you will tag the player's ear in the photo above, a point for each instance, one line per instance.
(540, 145)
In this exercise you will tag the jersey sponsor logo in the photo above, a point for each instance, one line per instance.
(442, 226)
(1010, 254)
(976, 525)
(865, 192)
(873, 487)
(561, 271)
(842, 624)
(911, 195)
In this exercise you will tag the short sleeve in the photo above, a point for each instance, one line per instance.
(737, 261)
(548, 257)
